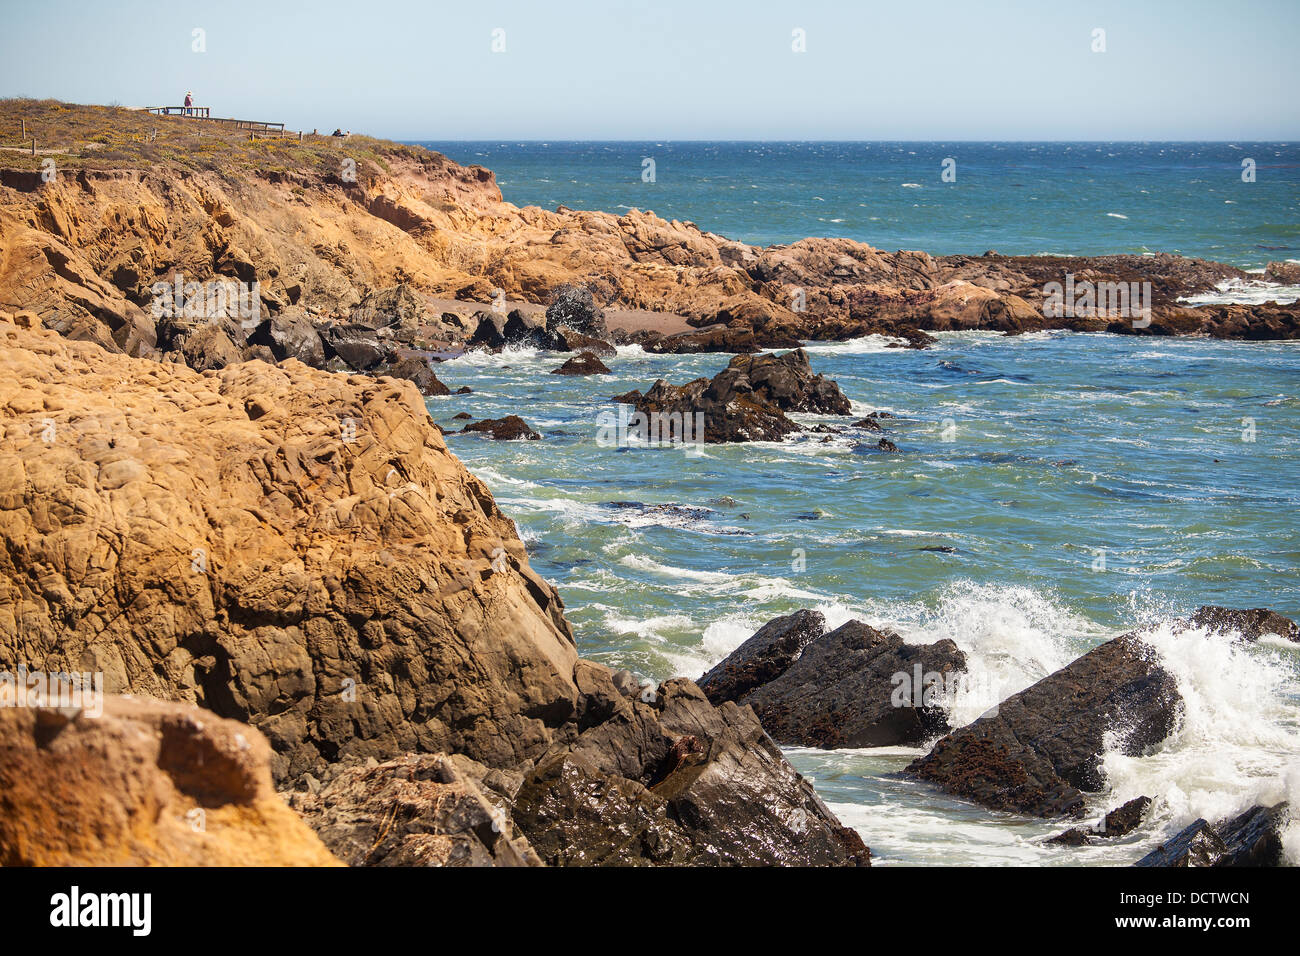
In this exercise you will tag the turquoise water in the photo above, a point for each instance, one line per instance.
(1051, 490)
(1016, 198)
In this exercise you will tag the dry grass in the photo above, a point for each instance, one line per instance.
(107, 137)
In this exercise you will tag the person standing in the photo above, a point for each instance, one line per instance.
(189, 101)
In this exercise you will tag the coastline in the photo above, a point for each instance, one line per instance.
(358, 596)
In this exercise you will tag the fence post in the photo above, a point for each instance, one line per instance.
(33, 145)
(24, 136)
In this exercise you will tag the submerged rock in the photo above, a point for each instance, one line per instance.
(1119, 822)
(853, 687)
(585, 363)
(510, 428)
(1042, 747)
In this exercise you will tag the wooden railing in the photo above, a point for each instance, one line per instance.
(202, 112)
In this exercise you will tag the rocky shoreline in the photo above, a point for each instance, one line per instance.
(413, 257)
(222, 494)
(1036, 753)
(300, 552)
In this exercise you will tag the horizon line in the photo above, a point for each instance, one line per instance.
(662, 139)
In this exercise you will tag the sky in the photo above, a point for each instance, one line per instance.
(681, 69)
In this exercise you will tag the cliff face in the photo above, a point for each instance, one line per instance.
(320, 226)
(298, 550)
(285, 546)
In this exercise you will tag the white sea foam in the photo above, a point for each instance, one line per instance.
(510, 355)
(1236, 743)
(867, 345)
(1012, 637)
(1245, 292)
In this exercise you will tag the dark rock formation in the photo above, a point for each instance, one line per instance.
(764, 657)
(747, 400)
(1253, 838)
(567, 340)
(1119, 822)
(1251, 623)
(396, 308)
(575, 307)
(737, 338)
(291, 334)
(585, 363)
(489, 331)
(1042, 746)
(510, 428)
(202, 343)
(728, 415)
(523, 332)
(853, 687)
(675, 780)
(415, 368)
(1287, 273)
(358, 346)
(415, 810)
(788, 383)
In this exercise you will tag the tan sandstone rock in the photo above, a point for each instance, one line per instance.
(144, 783)
(285, 546)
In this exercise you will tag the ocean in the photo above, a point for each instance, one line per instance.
(1051, 490)
(1014, 198)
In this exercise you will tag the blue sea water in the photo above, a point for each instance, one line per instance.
(1015, 198)
(1051, 490)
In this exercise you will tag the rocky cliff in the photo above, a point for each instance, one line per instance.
(298, 550)
(362, 232)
